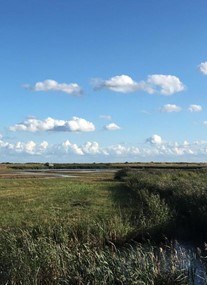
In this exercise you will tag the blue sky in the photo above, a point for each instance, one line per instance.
(103, 81)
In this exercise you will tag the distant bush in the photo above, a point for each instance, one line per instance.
(122, 174)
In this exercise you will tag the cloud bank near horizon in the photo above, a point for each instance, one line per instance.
(153, 148)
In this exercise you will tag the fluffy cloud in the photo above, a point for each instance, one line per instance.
(89, 148)
(4, 144)
(73, 148)
(203, 67)
(156, 83)
(154, 140)
(74, 125)
(164, 84)
(122, 150)
(52, 85)
(120, 83)
(195, 108)
(29, 147)
(79, 125)
(112, 127)
(169, 108)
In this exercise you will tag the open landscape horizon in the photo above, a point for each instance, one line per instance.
(103, 142)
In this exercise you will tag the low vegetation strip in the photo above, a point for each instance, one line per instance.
(132, 165)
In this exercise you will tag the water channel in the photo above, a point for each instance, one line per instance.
(61, 172)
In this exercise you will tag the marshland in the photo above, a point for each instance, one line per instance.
(129, 224)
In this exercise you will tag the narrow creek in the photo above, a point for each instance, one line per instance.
(194, 262)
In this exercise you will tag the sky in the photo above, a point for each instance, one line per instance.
(103, 81)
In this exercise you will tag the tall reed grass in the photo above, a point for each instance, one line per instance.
(29, 259)
(174, 200)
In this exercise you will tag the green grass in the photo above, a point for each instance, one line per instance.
(34, 201)
(149, 204)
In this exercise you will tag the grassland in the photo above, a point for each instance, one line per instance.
(31, 201)
(87, 229)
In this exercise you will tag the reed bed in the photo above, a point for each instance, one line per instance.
(39, 260)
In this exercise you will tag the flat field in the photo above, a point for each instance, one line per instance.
(28, 200)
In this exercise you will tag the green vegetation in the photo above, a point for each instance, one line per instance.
(87, 229)
(181, 200)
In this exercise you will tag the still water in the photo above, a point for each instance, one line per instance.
(62, 172)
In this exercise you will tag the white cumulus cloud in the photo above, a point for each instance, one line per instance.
(195, 108)
(203, 67)
(119, 83)
(169, 108)
(29, 147)
(52, 85)
(73, 148)
(49, 124)
(91, 148)
(112, 127)
(154, 139)
(79, 125)
(156, 83)
(164, 84)
(123, 150)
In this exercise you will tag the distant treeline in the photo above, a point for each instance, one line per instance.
(130, 165)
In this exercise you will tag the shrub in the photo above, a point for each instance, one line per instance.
(122, 174)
